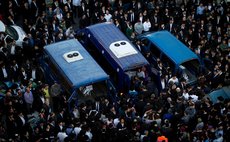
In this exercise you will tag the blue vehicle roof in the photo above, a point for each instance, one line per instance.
(171, 47)
(78, 73)
(107, 33)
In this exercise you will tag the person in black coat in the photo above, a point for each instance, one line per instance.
(218, 79)
(4, 53)
(21, 121)
(34, 11)
(27, 48)
(39, 99)
(68, 20)
(122, 130)
(14, 67)
(11, 125)
(132, 17)
(23, 76)
(84, 21)
(140, 105)
(19, 102)
(5, 73)
(171, 25)
(82, 10)
(95, 17)
(16, 4)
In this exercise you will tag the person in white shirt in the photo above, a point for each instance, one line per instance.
(185, 94)
(89, 134)
(174, 79)
(4, 73)
(59, 13)
(145, 134)
(147, 25)
(163, 82)
(64, 2)
(77, 129)
(193, 97)
(61, 136)
(140, 73)
(116, 121)
(13, 48)
(108, 16)
(138, 27)
(219, 138)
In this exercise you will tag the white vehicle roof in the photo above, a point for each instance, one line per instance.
(2, 27)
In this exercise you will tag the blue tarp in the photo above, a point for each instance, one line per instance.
(105, 34)
(78, 73)
(172, 47)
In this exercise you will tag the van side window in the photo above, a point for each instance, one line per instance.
(12, 32)
(167, 62)
(155, 51)
(192, 66)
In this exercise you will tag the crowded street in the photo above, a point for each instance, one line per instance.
(35, 109)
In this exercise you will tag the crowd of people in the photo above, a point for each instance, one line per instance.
(31, 110)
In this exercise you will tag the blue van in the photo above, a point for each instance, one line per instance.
(114, 52)
(173, 53)
(68, 63)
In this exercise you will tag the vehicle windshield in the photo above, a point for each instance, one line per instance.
(192, 65)
(12, 32)
(92, 91)
(190, 70)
